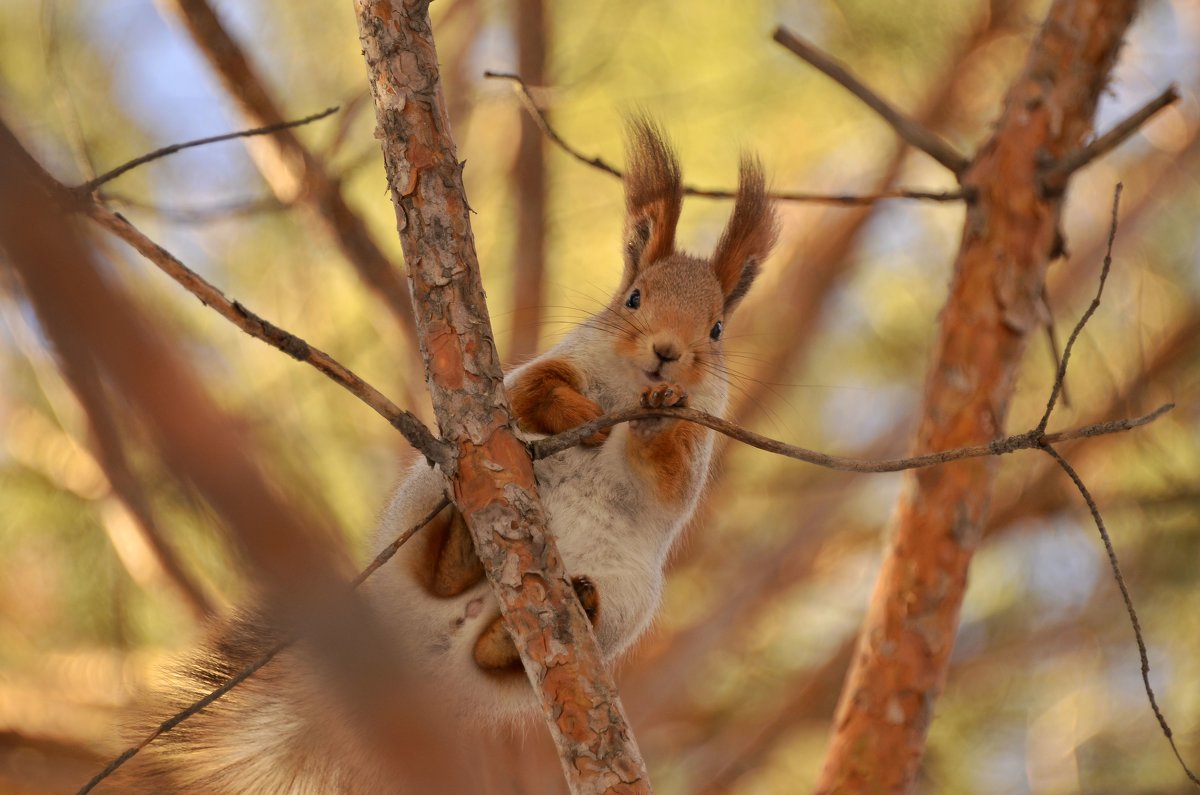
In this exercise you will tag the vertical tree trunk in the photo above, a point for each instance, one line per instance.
(1011, 227)
(493, 483)
(529, 179)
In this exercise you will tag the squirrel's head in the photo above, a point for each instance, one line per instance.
(672, 307)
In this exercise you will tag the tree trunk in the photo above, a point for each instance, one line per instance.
(1010, 232)
(493, 483)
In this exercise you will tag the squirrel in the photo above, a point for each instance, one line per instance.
(615, 505)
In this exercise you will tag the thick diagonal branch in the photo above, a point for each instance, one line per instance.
(494, 486)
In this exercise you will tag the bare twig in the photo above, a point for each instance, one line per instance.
(1128, 600)
(407, 423)
(1009, 444)
(1061, 375)
(91, 185)
(192, 709)
(905, 127)
(842, 199)
(1045, 445)
(1111, 139)
(179, 717)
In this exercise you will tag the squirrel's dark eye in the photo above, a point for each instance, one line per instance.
(716, 330)
(635, 299)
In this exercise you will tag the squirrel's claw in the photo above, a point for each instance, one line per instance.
(664, 396)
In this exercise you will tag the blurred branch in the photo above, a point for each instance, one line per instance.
(846, 200)
(528, 177)
(107, 449)
(1028, 440)
(91, 185)
(86, 384)
(412, 428)
(494, 486)
(292, 170)
(254, 667)
(1111, 139)
(88, 320)
(199, 214)
(905, 127)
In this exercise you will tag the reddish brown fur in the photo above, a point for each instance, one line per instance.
(653, 197)
(494, 648)
(447, 565)
(664, 457)
(547, 398)
(749, 235)
(662, 449)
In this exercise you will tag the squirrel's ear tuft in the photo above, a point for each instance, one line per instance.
(749, 235)
(653, 196)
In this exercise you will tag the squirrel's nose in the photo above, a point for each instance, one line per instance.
(666, 352)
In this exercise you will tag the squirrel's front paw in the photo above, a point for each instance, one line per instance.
(592, 411)
(664, 396)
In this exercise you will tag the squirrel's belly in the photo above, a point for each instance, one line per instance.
(607, 529)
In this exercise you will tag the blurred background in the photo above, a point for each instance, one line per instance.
(734, 688)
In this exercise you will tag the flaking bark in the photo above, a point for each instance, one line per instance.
(493, 482)
(905, 643)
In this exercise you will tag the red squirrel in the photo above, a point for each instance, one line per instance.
(614, 505)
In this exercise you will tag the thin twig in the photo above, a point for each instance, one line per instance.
(905, 127)
(1044, 442)
(407, 423)
(1113, 138)
(1021, 441)
(90, 186)
(184, 714)
(1052, 343)
(842, 199)
(1061, 375)
(1133, 617)
(241, 676)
